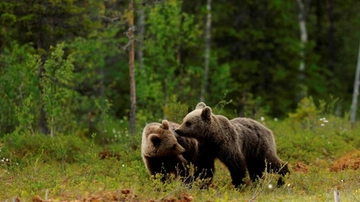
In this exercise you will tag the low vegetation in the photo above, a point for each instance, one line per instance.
(323, 153)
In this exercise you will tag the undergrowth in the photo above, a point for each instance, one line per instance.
(73, 167)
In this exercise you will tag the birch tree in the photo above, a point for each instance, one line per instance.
(356, 92)
(303, 11)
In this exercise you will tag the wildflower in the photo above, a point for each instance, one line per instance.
(262, 118)
(275, 119)
(270, 186)
(113, 130)
(322, 124)
(123, 165)
(324, 120)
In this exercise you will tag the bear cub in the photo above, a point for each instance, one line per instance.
(164, 152)
(241, 144)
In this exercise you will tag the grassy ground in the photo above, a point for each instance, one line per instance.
(68, 168)
(112, 179)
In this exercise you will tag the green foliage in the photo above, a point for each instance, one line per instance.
(69, 167)
(18, 81)
(168, 32)
(57, 95)
(25, 117)
(22, 149)
(314, 138)
(306, 113)
(175, 111)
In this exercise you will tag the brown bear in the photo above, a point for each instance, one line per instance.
(241, 144)
(164, 154)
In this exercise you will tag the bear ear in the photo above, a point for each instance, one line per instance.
(206, 113)
(200, 105)
(155, 140)
(165, 125)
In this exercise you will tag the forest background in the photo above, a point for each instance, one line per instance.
(66, 72)
(64, 64)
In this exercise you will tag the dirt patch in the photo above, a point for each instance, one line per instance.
(299, 167)
(350, 160)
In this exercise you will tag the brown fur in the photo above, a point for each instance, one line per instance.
(241, 144)
(259, 149)
(163, 153)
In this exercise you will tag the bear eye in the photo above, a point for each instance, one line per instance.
(187, 123)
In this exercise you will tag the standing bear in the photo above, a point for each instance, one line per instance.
(241, 144)
(164, 152)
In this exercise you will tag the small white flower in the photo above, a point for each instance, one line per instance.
(270, 186)
(123, 165)
(275, 119)
(7, 159)
(289, 185)
(114, 131)
(322, 124)
(325, 121)
(262, 118)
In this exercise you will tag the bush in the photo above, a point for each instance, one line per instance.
(61, 148)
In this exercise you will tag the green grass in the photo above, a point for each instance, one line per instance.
(69, 168)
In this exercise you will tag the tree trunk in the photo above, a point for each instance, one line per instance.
(132, 69)
(43, 126)
(303, 7)
(356, 92)
(103, 106)
(331, 32)
(207, 50)
(303, 31)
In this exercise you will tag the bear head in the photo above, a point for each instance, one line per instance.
(159, 140)
(197, 123)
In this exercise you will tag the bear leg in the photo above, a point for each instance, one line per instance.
(235, 162)
(277, 166)
(204, 170)
(163, 166)
(255, 167)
